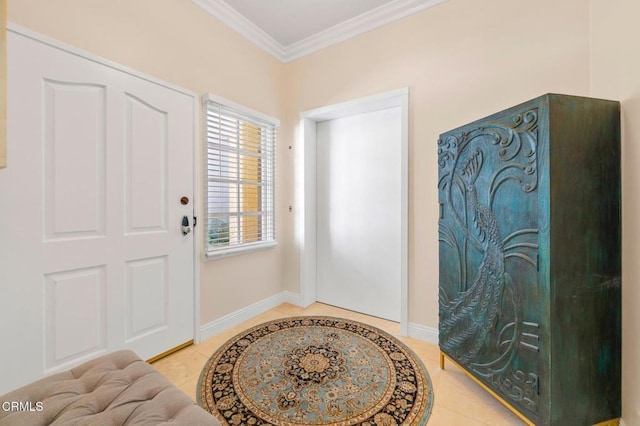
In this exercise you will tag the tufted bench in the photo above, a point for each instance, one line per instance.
(115, 389)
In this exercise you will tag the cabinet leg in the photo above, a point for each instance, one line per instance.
(614, 422)
(441, 361)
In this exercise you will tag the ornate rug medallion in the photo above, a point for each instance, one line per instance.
(315, 371)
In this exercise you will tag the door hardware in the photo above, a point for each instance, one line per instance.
(185, 225)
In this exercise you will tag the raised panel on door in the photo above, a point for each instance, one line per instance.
(146, 297)
(147, 175)
(488, 245)
(74, 143)
(75, 329)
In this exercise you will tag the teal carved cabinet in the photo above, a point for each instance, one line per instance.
(530, 257)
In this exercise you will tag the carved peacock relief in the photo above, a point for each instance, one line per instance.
(487, 183)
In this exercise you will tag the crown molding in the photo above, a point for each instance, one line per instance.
(242, 25)
(360, 24)
(368, 21)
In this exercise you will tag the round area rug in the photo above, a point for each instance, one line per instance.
(305, 371)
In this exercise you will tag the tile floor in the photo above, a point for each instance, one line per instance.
(458, 400)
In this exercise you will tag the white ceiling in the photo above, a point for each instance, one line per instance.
(290, 29)
(290, 21)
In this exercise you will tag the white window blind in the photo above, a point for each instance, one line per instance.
(239, 178)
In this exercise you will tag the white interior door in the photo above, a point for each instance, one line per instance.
(359, 208)
(90, 223)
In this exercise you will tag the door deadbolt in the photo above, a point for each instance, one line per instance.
(184, 201)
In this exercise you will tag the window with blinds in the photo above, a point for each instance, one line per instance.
(240, 171)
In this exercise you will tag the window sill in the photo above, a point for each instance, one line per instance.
(248, 248)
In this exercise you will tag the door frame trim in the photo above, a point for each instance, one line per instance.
(305, 190)
(49, 41)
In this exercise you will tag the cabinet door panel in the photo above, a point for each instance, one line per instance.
(488, 246)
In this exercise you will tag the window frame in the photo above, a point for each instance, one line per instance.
(267, 162)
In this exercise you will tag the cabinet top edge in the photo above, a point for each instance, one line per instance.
(543, 100)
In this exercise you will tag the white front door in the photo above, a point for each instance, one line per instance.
(359, 212)
(94, 258)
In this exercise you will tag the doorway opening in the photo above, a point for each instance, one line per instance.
(307, 177)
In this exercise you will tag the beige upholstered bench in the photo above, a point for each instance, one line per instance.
(115, 389)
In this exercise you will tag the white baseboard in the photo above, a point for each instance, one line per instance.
(293, 298)
(417, 331)
(248, 312)
(422, 332)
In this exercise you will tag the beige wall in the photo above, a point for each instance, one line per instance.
(615, 74)
(462, 60)
(178, 42)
